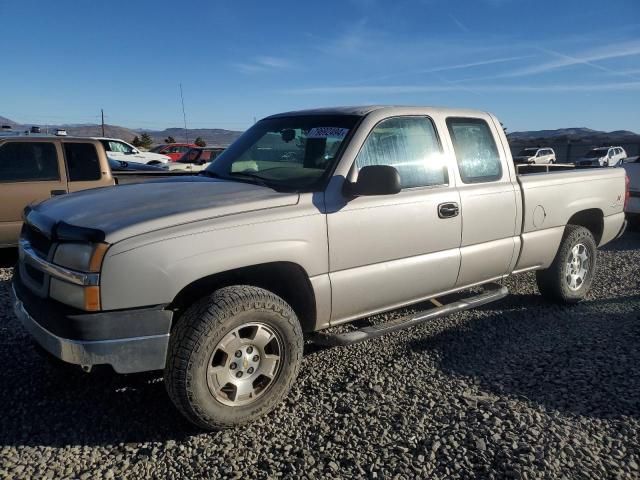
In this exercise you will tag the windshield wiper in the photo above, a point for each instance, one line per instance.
(257, 179)
(210, 174)
(246, 178)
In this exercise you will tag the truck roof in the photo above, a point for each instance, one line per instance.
(38, 137)
(363, 110)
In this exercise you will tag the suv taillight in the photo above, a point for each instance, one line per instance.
(627, 194)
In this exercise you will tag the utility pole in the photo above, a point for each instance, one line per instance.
(184, 116)
(102, 114)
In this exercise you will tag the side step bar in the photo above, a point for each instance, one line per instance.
(492, 293)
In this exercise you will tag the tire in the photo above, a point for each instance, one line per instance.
(233, 314)
(554, 282)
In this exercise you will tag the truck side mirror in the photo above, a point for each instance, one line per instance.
(375, 180)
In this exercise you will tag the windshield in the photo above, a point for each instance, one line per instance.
(157, 149)
(296, 152)
(596, 154)
(528, 152)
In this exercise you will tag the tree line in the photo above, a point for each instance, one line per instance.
(145, 141)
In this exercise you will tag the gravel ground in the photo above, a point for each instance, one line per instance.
(517, 389)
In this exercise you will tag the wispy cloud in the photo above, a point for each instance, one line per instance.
(402, 89)
(459, 24)
(618, 50)
(440, 69)
(262, 64)
(352, 41)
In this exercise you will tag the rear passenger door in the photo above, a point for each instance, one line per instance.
(83, 166)
(389, 250)
(488, 201)
(30, 172)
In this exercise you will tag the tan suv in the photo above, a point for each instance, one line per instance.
(33, 169)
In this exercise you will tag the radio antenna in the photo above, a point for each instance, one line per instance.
(184, 116)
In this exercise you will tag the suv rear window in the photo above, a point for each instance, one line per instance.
(82, 162)
(28, 162)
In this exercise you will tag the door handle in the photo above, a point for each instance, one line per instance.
(55, 193)
(448, 210)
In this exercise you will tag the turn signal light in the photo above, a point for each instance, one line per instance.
(92, 299)
(97, 256)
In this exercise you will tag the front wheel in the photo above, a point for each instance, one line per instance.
(233, 357)
(568, 279)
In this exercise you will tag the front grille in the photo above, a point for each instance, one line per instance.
(39, 242)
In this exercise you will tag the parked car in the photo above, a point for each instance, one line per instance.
(535, 156)
(196, 159)
(603, 156)
(120, 150)
(173, 150)
(35, 168)
(123, 166)
(632, 208)
(215, 278)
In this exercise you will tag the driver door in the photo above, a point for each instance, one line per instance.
(392, 250)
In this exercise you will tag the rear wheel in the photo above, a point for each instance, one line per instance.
(233, 356)
(568, 279)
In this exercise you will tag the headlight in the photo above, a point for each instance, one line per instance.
(83, 257)
(83, 298)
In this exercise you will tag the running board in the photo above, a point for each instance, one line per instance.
(492, 293)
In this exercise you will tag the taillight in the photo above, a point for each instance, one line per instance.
(627, 194)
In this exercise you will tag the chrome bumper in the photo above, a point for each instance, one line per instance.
(128, 355)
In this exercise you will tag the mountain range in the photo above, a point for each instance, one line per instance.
(222, 137)
(213, 136)
(576, 134)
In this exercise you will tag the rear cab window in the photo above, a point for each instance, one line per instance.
(28, 162)
(83, 163)
(475, 149)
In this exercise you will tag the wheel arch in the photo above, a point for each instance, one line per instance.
(288, 280)
(592, 219)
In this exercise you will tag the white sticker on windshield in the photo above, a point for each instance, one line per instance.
(327, 132)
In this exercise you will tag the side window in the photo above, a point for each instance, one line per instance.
(82, 162)
(409, 144)
(476, 151)
(28, 162)
(119, 147)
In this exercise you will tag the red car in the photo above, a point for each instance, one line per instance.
(173, 150)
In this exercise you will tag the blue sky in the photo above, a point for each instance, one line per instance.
(536, 64)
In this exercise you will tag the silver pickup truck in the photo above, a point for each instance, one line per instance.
(309, 220)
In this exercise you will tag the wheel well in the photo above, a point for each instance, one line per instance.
(591, 219)
(287, 280)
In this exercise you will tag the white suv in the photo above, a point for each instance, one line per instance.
(535, 155)
(604, 157)
(120, 150)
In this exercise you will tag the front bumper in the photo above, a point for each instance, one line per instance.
(128, 340)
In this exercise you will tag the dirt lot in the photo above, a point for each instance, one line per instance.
(518, 389)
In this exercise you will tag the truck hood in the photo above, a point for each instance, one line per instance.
(123, 211)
